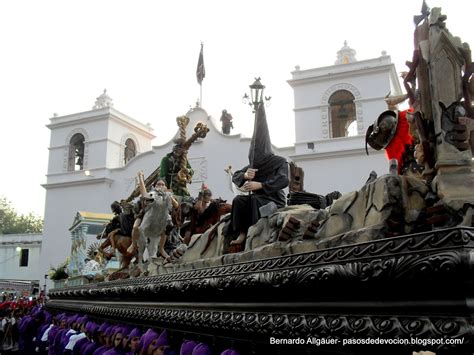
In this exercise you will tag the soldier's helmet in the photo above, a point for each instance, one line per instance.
(380, 134)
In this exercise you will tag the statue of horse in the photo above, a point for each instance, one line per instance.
(119, 242)
(154, 224)
(200, 223)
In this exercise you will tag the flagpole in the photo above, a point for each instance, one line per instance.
(200, 73)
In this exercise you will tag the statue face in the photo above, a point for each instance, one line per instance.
(207, 198)
(178, 151)
(160, 185)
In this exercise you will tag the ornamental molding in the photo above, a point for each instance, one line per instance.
(300, 295)
(416, 257)
(258, 326)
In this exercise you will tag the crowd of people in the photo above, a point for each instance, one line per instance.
(44, 333)
(12, 310)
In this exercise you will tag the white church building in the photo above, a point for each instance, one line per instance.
(94, 155)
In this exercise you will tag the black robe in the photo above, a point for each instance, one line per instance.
(273, 174)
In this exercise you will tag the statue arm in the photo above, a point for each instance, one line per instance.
(174, 202)
(141, 184)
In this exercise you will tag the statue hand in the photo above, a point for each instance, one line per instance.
(250, 174)
(252, 186)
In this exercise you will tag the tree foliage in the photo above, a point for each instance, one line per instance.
(12, 222)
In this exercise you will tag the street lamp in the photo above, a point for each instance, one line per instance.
(256, 95)
(44, 287)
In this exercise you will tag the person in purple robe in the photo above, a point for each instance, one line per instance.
(187, 347)
(202, 349)
(133, 343)
(61, 324)
(161, 343)
(126, 331)
(81, 345)
(146, 342)
(230, 352)
(117, 339)
(107, 341)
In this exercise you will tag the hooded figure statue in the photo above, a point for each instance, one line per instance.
(264, 178)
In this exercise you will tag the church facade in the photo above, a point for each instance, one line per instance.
(95, 155)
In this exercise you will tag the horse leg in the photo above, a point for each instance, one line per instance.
(122, 244)
(126, 259)
(152, 248)
(141, 245)
(112, 238)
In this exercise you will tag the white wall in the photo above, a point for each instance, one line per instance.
(62, 204)
(345, 172)
(10, 258)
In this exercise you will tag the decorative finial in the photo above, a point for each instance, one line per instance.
(103, 101)
(346, 55)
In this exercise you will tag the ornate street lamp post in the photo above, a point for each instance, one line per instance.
(256, 95)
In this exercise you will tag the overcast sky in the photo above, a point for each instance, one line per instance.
(58, 56)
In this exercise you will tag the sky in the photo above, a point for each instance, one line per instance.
(56, 57)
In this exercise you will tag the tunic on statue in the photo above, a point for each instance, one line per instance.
(273, 175)
(169, 168)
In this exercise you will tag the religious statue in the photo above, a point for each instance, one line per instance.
(226, 120)
(264, 180)
(174, 167)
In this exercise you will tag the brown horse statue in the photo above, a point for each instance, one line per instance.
(120, 243)
(211, 216)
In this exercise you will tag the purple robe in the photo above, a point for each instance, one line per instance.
(187, 347)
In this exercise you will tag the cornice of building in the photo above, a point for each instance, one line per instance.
(99, 115)
(358, 68)
(88, 181)
(332, 75)
(331, 154)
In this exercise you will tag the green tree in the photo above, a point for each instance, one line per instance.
(13, 223)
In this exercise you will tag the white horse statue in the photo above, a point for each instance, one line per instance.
(153, 227)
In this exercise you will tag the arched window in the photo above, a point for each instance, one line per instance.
(130, 150)
(343, 114)
(76, 153)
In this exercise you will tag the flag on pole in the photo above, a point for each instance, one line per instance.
(200, 71)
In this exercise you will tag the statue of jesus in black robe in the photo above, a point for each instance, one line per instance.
(265, 183)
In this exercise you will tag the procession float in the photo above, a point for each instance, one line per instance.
(390, 263)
